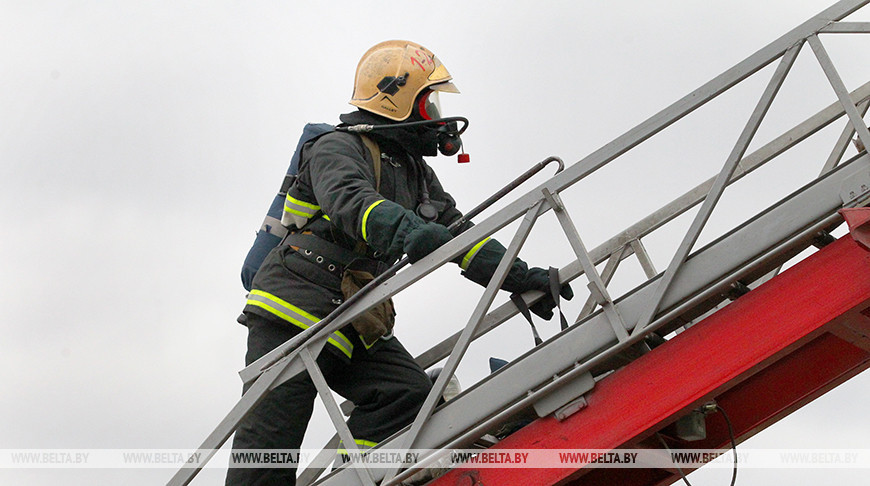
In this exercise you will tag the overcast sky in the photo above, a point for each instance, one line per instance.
(142, 142)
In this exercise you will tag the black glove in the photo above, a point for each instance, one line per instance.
(539, 279)
(520, 277)
(425, 239)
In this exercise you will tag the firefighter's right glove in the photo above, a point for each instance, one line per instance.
(425, 239)
(480, 263)
(539, 279)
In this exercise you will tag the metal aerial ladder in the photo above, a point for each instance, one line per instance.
(581, 384)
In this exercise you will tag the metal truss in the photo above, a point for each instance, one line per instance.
(556, 373)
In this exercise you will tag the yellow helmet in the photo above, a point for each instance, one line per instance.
(392, 74)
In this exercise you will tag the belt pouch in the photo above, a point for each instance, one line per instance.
(377, 321)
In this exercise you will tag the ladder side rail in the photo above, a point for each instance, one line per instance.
(477, 316)
(846, 28)
(812, 208)
(719, 184)
(665, 214)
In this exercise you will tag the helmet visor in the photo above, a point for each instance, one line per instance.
(429, 105)
(446, 87)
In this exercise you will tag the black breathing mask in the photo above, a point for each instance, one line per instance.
(449, 142)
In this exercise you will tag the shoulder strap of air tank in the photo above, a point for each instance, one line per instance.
(376, 158)
(376, 162)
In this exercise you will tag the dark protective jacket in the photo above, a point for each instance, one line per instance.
(336, 190)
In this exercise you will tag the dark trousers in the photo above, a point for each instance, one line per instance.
(387, 386)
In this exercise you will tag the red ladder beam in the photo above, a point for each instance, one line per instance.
(765, 355)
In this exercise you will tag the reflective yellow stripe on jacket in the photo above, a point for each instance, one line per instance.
(366, 218)
(466, 260)
(296, 316)
(300, 207)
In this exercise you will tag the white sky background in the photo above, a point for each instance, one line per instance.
(141, 143)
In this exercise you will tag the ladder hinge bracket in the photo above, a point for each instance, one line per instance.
(736, 290)
(823, 239)
(570, 409)
(855, 188)
(554, 200)
(567, 399)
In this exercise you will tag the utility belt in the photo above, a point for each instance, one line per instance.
(348, 272)
(331, 258)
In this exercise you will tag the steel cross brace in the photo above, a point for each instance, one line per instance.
(632, 247)
(596, 285)
(840, 89)
(606, 275)
(334, 412)
(843, 142)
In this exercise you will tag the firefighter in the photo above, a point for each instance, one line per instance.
(351, 219)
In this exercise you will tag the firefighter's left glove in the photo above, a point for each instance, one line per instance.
(539, 279)
(425, 239)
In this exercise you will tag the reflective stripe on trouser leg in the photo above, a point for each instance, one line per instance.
(296, 316)
(361, 444)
